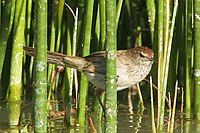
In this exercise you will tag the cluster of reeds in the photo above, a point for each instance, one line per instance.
(170, 28)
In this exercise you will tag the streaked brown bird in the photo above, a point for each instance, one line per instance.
(133, 65)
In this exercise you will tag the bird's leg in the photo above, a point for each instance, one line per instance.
(55, 73)
(99, 93)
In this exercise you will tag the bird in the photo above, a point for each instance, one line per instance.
(132, 65)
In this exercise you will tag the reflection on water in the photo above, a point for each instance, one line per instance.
(131, 119)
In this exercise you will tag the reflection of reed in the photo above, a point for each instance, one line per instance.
(132, 91)
(130, 104)
(139, 121)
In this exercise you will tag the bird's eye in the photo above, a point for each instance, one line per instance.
(142, 55)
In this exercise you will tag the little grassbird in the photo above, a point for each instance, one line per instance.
(133, 65)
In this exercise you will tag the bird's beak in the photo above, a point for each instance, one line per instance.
(151, 59)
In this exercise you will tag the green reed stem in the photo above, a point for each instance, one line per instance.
(15, 87)
(40, 66)
(14, 110)
(60, 6)
(166, 65)
(8, 11)
(152, 108)
(28, 20)
(52, 42)
(28, 40)
(97, 108)
(159, 43)
(188, 55)
(81, 13)
(86, 51)
(102, 24)
(0, 13)
(151, 16)
(197, 59)
(63, 30)
(72, 73)
(119, 7)
(111, 88)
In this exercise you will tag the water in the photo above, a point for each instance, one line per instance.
(131, 119)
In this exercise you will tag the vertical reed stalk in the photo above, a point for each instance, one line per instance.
(81, 13)
(151, 16)
(188, 55)
(152, 108)
(164, 66)
(60, 5)
(74, 46)
(111, 91)
(102, 24)
(159, 43)
(72, 71)
(119, 7)
(17, 52)
(0, 13)
(170, 112)
(52, 39)
(96, 32)
(86, 50)
(28, 20)
(66, 29)
(197, 59)
(40, 66)
(173, 109)
(140, 96)
(5, 27)
(97, 106)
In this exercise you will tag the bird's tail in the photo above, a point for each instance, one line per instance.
(78, 63)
